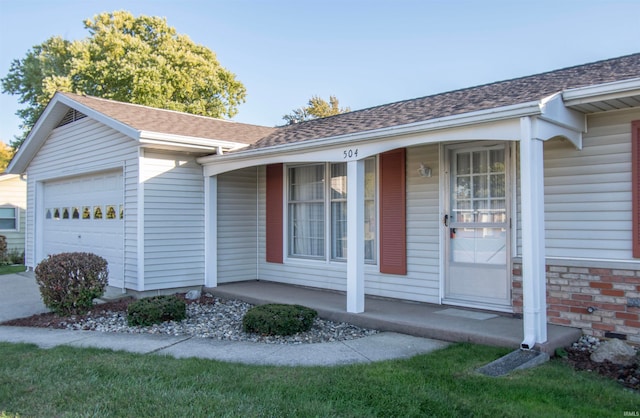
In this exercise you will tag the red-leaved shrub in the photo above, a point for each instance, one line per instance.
(70, 281)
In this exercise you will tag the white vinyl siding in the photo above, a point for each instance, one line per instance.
(13, 195)
(423, 248)
(588, 192)
(173, 221)
(237, 226)
(102, 148)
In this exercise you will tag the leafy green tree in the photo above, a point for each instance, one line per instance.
(138, 60)
(6, 153)
(316, 107)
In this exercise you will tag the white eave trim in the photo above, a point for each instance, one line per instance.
(189, 142)
(601, 92)
(455, 121)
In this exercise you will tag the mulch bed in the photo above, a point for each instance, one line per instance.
(628, 376)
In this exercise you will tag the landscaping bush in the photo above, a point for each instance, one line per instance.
(15, 256)
(70, 281)
(3, 249)
(155, 310)
(278, 319)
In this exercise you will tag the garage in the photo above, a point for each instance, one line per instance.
(85, 214)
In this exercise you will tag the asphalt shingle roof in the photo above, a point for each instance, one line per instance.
(494, 95)
(144, 118)
(484, 97)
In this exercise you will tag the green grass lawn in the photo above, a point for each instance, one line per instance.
(12, 269)
(74, 382)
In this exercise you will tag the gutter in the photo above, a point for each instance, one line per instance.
(158, 138)
(465, 119)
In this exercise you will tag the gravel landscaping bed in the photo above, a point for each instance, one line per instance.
(207, 317)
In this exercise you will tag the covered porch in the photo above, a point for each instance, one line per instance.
(440, 322)
(528, 125)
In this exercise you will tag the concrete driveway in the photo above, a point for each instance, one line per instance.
(19, 296)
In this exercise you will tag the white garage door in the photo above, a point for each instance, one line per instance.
(86, 214)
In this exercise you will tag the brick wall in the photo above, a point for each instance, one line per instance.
(571, 291)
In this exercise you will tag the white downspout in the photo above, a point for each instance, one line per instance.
(533, 246)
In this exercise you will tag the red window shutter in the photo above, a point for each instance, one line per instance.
(393, 231)
(635, 185)
(274, 221)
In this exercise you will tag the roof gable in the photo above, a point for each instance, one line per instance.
(156, 127)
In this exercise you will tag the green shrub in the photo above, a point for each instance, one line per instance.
(155, 310)
(15, 256)
(70, 281)
(3, 249)
(278, 319)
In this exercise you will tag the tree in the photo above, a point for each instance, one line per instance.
(6, 153)
(138, 60)
(316, 108)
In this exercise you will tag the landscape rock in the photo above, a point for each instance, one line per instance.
(193, 295)
(616, 351)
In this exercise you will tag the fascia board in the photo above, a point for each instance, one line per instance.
(483, 116)
(55, 110)
(601, 92)
(38, 134)
(159, 138)
(554, 110)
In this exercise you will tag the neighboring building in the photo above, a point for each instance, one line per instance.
(518, 196)
(13, 206)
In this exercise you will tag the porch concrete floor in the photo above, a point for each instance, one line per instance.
(412, 318)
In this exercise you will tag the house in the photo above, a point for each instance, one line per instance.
(520, 196)
(13, 206)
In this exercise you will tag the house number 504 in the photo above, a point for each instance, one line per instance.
(350, 153)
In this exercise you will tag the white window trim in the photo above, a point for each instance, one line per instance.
(327, 259)
(16, 214)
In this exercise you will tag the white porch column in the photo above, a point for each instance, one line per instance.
(355, 236)
(211, 231)
(533, 246)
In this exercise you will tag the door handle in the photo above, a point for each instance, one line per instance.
(445, 221)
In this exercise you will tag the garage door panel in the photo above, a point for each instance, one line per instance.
(97, 227)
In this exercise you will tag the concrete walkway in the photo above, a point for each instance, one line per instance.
(20, 297)
(447, 323)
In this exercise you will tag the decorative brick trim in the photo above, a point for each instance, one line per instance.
(597, 300)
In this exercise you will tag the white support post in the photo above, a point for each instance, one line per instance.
(211, 231)
(355, 236)
(533, 246)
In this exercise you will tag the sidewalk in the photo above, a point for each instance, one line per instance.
(20, 297)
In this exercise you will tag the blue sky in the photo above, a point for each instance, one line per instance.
(365, 52)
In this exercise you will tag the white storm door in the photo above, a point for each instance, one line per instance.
(477, 239)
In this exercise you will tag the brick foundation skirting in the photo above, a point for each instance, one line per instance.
(602, 302)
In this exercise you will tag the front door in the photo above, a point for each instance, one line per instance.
(477, 238)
